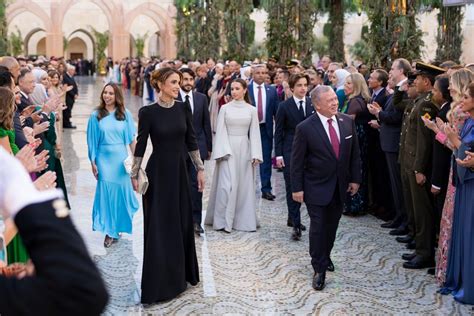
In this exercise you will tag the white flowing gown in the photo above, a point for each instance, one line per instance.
(232, 201)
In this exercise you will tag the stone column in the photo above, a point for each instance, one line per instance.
(54, 44)
(120, 45)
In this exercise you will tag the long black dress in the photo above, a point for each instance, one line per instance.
(169, 260)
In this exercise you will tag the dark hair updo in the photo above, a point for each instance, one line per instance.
(161, 75)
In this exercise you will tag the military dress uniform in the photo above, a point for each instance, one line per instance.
(66, 281)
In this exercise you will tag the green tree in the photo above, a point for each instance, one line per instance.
(101, 43)
(15, 43)
(336, 33)
(290, 28)
(393, 32)
(140, 44)
(238, 28)
(449, 36)
(3, 28)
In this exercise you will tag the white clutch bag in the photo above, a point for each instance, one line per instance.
(128, 163)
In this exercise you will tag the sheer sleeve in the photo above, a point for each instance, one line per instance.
(93, 136)
(356, 106)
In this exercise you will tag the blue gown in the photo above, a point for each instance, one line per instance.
(115, 202)
(460, 270)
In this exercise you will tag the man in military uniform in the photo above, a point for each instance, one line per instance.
(417, 158)
(64, 281)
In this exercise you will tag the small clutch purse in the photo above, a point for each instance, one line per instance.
(127, 163)
(142, 181)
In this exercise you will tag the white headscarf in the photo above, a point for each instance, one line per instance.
(341, 75)
(39, 95)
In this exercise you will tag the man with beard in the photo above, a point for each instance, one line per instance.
(202, 128)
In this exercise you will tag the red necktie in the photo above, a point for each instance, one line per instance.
(259, 104)
(334, 139)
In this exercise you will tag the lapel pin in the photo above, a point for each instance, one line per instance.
(340, 119)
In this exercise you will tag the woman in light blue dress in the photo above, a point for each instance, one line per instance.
(110, 129)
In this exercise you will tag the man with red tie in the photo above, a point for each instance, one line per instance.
(325, 165)
(265, 99)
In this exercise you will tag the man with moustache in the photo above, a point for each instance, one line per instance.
(202, 128)
(290, 113)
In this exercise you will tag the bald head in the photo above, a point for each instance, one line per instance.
(12, 64)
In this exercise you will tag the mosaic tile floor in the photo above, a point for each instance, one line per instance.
(254, 273)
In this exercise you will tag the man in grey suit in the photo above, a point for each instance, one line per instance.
(202, 127)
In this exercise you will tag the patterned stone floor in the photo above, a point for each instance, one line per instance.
(254, 273)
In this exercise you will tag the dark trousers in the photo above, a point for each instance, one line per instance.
(293, 206)
(322, 231)
(266, 166)
(407, 198)
(196, 196)
(396, 185)
(424, 218)
(67, 113)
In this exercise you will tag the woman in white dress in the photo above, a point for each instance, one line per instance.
(237, 150)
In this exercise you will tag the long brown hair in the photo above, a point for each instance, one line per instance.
(243, 83)
(119, 103)
(7, 108)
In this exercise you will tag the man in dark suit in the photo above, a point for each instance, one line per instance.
(442, 155)
(71, 96)
(64, 280)
(380, 190)
(325, 165)
(202, 128)
(264, 98)
(290, 113)
(390, 120)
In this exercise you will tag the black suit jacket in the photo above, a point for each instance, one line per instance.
(201, 124)
(70, 95)
(390, 119)
(381, 97)
(441, 156)
(20, 139)
(287, 118)
(271, 106)
(66, 281)
(314, 166)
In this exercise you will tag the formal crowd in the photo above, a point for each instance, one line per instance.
(396, 143)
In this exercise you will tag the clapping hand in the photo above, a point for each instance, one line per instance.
(430, 124)
(353, 188)
(40, 128)
(374, 108)
(452, 134)
(468, 161)
(46, 181)
(374, 124)
(440, 124)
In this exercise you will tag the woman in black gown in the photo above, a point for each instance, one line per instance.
(169, 260)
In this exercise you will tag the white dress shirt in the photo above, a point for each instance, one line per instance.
(324, 120)
(297, 101)
(191, 100)
(264, 99)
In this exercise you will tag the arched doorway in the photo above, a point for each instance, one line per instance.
(41, 47)
(77, 49)
(87, 38)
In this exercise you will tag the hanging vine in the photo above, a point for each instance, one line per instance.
(450, 36)
(3, 28)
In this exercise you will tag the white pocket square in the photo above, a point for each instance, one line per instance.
(348, 137)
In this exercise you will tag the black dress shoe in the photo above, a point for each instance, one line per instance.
(303, 228)
(408, 256)
(411, 245)
(272, 195)
(399, 231)
(289, 222)
(268, 196)
(390, 224)
(330, 266)
(296, 235)
(404, 239)
(318, 280)
(70, 126)
(419, 263)
(198, 229)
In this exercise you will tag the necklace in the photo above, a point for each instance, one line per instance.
(165, 104)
